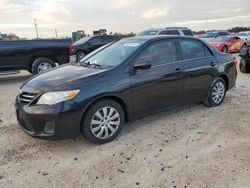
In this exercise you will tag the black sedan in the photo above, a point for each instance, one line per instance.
(123, 81)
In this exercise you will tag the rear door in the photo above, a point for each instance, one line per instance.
(200, 69)
(235, 44)
(161, 86)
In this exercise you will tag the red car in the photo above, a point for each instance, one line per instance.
(228, 44)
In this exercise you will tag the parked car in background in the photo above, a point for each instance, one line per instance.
(123, 81)
(244, 35)
(228, 44)
(183, 31)
(245, 60)
(212, 35)
(33, 55)
(88, 44)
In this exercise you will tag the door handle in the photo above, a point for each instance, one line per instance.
(178, 70)
(212, 64)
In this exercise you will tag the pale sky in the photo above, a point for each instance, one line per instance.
(16, 16)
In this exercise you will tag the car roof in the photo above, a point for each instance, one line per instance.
(101, 36)
(157, 37)
(154, 38)
(167, 28)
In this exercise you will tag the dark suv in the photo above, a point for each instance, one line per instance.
(86, 45)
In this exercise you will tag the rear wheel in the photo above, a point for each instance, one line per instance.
(103, 122)
(224, 49)
(41, 65)
(217, 93)
(244, 46)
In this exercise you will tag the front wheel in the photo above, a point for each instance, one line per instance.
(217, 93)
(103, 122)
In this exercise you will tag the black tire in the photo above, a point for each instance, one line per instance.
(244, 68)
(210, 100)
(90, 115)
(35, 65)
(80, 55)
(224, 49)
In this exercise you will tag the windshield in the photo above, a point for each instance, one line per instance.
(209, 35)
(222, 39)
(145, 33)
(113, 54)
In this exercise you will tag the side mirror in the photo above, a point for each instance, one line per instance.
(142, 65)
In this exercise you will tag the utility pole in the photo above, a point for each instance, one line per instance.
(36, 29)
(56, 33)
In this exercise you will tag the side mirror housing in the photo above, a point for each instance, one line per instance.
(142, 65)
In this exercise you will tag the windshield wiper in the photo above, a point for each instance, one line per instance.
(88, 64)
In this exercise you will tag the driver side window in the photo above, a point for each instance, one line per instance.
(159, 53)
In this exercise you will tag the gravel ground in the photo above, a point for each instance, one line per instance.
(193, 146)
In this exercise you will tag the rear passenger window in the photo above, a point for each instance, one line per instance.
(169, 32)
(159, 53)
(192, 49)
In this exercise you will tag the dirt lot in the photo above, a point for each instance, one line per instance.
(194, 146)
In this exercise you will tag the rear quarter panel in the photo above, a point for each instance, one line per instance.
(227, 68)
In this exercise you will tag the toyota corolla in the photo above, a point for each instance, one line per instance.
(120, 82)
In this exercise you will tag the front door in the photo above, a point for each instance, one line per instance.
(161, 85)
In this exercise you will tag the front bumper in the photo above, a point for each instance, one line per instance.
(50, 122)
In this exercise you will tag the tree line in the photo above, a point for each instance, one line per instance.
(232, 30)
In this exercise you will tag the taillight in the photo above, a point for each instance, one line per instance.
(235, 61)
(71, 49)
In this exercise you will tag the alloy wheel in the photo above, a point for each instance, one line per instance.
(105, 122)
(43, 67)
(218, 92)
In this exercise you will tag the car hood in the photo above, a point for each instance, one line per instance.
(63, 77)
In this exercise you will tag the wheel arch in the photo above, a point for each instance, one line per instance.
(44, 54)
(225, 78)
(117, 99)
(225, 45)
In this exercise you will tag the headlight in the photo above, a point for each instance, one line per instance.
(51, 98)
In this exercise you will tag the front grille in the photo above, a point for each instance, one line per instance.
(27, 97)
